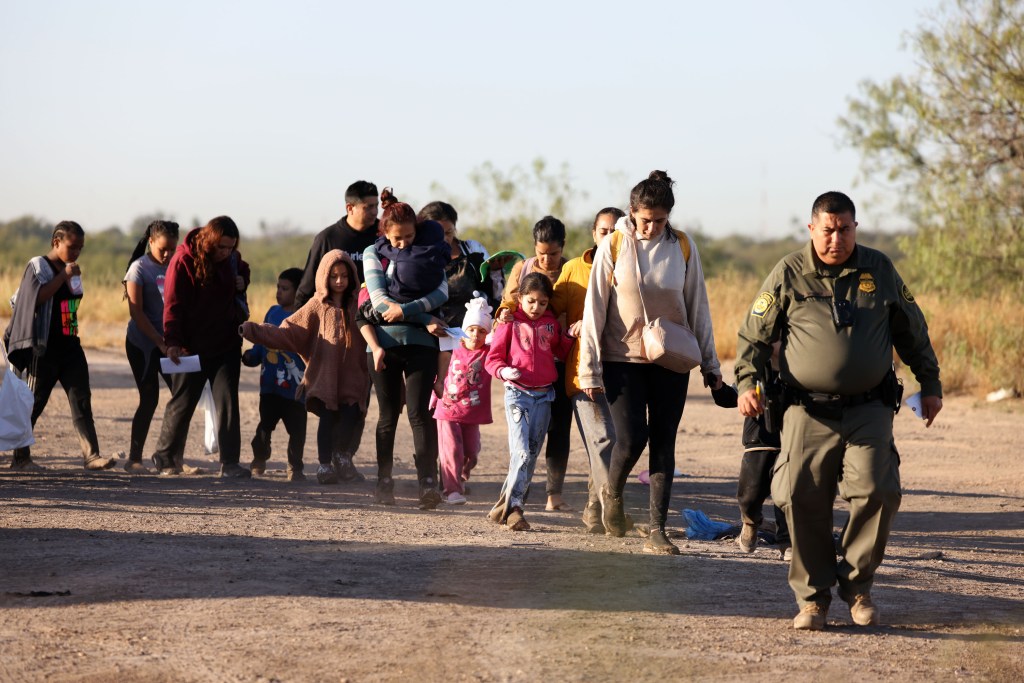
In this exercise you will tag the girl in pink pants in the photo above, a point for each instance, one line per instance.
(465, 403)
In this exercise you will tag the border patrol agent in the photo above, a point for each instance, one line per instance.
(838, 310)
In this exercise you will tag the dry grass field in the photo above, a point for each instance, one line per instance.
(979, 340)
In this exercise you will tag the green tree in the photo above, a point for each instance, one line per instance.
(951, 138)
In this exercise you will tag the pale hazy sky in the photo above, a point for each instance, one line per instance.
(268, 110)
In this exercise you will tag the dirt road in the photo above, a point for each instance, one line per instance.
(107, 577)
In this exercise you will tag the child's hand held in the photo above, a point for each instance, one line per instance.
(509, 374)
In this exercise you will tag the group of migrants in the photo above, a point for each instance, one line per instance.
(402, 306)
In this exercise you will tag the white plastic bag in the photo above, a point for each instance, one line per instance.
(16, 401)
(210, 410)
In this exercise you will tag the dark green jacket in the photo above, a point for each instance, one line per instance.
(795, 306)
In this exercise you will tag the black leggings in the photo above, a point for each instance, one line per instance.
(646, 402)
(64, 363)
(418, 364)
(754, 485)
(335, 433)
(147, 380)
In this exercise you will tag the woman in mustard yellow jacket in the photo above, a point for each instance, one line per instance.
(592, 416)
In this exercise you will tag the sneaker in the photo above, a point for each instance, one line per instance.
(747, 540)
(98, 463)
(258, 466)
(188, 469)
(325, 474)
(455, 498)
(135, 467)
(347, 471)
(657, 542)
(516, 521)
(811, 618)
(787, 554)
(385, 493)
(430, 497)
(234, 471)
(26, 465)
(612, 515)
(863, 610)
(592, 517)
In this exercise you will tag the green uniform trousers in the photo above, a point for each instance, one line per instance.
(856, 456)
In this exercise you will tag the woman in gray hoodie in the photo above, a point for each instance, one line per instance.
(646, 400)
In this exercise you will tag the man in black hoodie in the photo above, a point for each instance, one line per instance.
(352, 234)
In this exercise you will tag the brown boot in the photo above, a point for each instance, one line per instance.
(812, 617)
(612, 514)
(592, 517)
(863, 610)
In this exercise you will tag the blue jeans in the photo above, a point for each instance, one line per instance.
(528, 414)
(594, 420)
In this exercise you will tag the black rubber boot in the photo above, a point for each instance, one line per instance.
(612, 514)
(658, 543)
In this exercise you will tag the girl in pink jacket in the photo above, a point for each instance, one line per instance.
(523, 354)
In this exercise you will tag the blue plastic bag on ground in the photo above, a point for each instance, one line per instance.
(700, 527)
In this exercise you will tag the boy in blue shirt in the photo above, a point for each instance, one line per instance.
(279, 380)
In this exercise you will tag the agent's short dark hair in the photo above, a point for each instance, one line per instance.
(438, 211)
(615, 212)
(549, 229)
(359, 191)
(67, 229)
(536, 282)
(655, 192)
(835, 203)
(292, 275)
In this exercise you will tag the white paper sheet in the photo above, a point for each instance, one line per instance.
(914, 403)
(188, 364)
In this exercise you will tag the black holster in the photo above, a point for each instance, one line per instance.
(774, 407)
(891, 389)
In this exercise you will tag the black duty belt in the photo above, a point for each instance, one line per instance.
(815, 399)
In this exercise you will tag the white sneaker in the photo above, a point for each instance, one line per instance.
(455, 498)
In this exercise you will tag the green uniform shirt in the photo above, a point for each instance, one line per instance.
(795, 306)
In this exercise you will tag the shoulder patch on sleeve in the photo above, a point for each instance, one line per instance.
(907, 295)
(762, 303)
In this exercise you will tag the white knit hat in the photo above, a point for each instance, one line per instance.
(478, 312)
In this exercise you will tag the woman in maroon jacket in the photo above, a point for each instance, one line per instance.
(203, 307)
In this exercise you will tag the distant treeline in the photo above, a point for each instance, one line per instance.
(107, 251)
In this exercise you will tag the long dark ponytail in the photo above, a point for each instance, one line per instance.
(154, 229)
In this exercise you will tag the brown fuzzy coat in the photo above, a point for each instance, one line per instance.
(327, 339)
